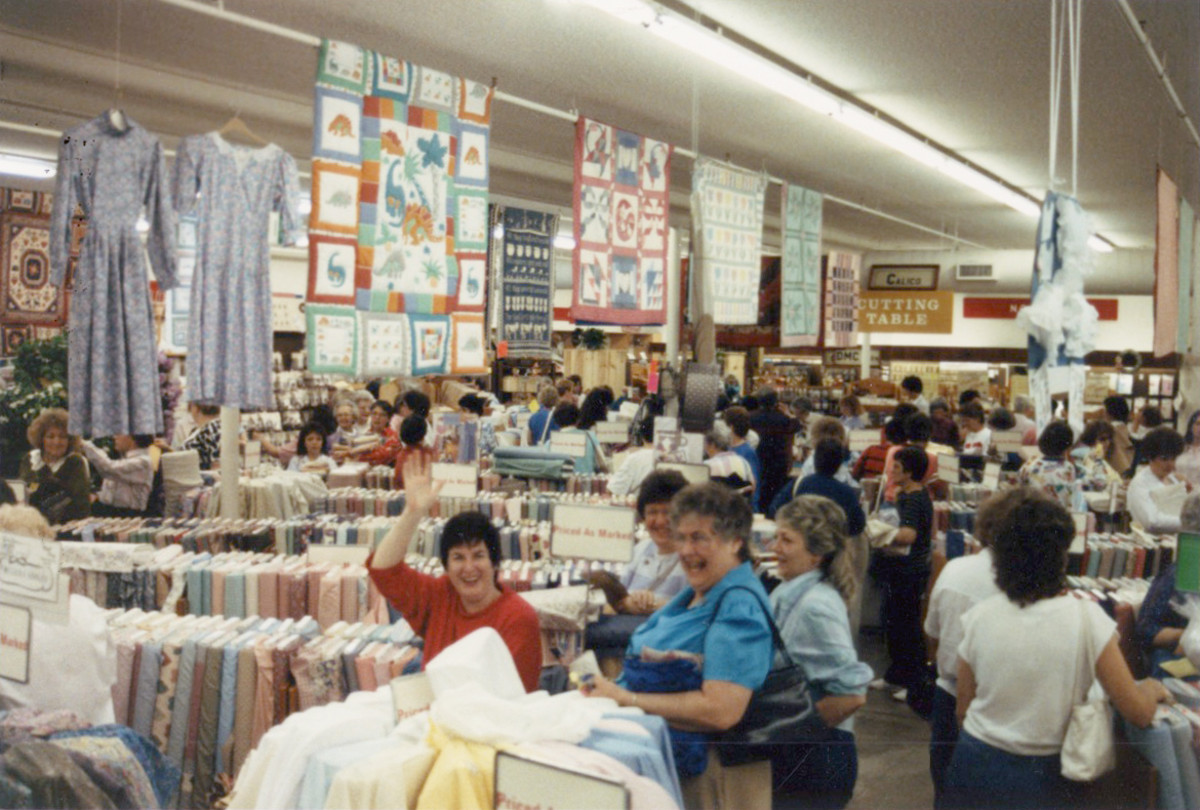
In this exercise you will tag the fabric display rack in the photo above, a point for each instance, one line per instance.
(356, 754)
(206, 689)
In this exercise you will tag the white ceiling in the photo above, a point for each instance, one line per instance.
(972, 76)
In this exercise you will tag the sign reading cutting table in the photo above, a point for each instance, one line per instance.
(585, 532)
(912, 312)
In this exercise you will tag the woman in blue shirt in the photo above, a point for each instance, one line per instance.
(810, 610)
(698, 660)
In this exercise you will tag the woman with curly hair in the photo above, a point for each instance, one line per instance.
(55, 471)
(810, 606)
(1018, 665)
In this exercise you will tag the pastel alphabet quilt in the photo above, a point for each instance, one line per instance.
(727, 221)
(800, 307)
(621, 205)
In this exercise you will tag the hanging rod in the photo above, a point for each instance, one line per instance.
(219, 12)
(1160, 70)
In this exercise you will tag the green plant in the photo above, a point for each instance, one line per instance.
(593, 338)
(39, 382)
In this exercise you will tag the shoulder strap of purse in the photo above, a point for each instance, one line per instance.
(776, 638)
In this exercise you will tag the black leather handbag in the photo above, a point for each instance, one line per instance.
(781, 717)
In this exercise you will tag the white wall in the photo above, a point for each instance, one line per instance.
(1133, 329)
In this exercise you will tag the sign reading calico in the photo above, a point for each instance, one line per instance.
(913, 312)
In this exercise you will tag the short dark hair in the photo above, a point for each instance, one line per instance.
(1152, 416)
(730, 512)
(467, 529)
(143, 440)
(576, 381)
(1161, 442)
(828, 457)
(972, 410)
(566, 415)
(918, 427)
(767, 397)
(1117, 408)
(659, 486)
(939, 404)
(967, 396)
(893, 431)
(1056, 439)
(803, 404)
(914, 461)
(1001, 419)
(912, 383)
(594, 408)
(1098, 431)
(305, 432)
(207, 408)
(383, 406)
(987, 517)
(413, 430)
(903, 411)
(652, 406)
(738, 419)
(417, 402)
(1029, 547)
(472, 403)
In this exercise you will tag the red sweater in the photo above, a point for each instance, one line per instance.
(432, 607)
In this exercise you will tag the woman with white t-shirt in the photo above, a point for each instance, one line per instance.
(977, 438)
(1018, 663)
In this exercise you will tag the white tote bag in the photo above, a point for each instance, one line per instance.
(1089, 750)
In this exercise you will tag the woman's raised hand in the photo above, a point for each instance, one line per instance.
(420, 490)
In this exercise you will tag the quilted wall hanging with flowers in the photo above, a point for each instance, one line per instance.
(400, 173)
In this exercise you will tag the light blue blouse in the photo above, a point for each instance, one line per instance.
(813, 622)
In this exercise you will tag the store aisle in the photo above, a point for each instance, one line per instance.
(893, 746)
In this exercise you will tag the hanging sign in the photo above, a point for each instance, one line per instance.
(903, 277)
(586, 532)
(1006, 308)
(1008, 441)
(911, 312)
(860, 440)
(526, 784)
(948, 467)
(851, 357)
(458, 480)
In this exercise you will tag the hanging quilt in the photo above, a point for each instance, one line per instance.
(469, 354)
(332, 339)
(622, 197)
(523, 279)
(386, 345)
(1166, 267)
(727, 212)
(800, 316)
(841, 300)
(25, 288)
(400, 177)
(430, 335)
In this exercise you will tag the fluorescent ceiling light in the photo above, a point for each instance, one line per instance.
(716, 48)
(22, 166)
(564, 242)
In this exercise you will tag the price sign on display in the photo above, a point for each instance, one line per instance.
(15, 630)
(612, 432)
(29, 570)
(411, 695)
(569, 444)
(991, 475)
(585, 532)
(458, 480)
(948, 467)
(1008, 441)
(860, 440)
(523, 783)
(692, 473)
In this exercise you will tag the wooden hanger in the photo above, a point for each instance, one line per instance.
(236, 126)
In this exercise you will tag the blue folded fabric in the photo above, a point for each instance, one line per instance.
(1157, 745)
(690, 748)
